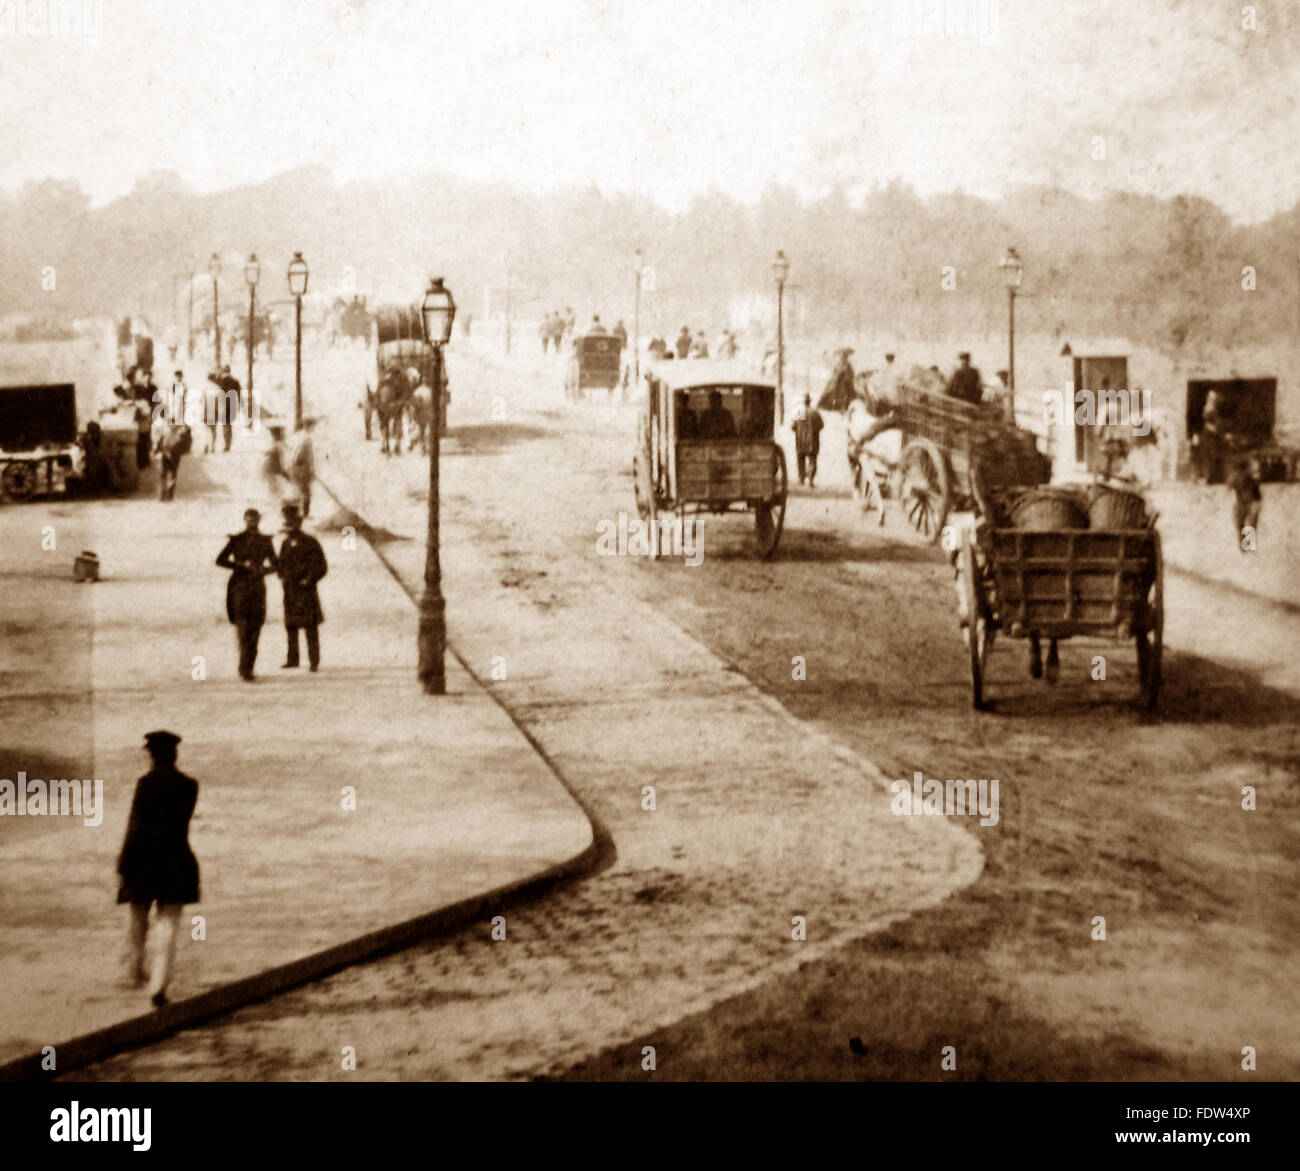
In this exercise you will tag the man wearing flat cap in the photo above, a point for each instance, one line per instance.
(966, 383)
(250, 556)
(156, 864)
(301, 565)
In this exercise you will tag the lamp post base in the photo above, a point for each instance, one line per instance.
(433, 643)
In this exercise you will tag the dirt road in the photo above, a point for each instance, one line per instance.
(684, 943)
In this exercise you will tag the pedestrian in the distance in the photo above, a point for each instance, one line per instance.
(170, 446)
(302, 464)
(808, 440)
(1245, 505)
(301, 566)
(250, 556)
(156, 864)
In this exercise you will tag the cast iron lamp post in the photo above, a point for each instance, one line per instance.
(214, 271)
(437, 312)
(1012, 270)
(297, 288)
(252, 273)
(781, 270)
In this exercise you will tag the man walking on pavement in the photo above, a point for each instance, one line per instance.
(231, 389)
(301, 566)
(807, 440)
(250, 556)
(302, 464)
(156, 863)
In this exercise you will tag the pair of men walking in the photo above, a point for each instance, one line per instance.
(300, 564)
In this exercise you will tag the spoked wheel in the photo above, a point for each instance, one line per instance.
(978, 637)
(645, 499)
(923, 479)
(1149, 634)
(769, 517)
(19, 480)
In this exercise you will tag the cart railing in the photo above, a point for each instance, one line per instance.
(971, 435)
(1071, 581)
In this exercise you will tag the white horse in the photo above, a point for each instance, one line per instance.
(873, 450)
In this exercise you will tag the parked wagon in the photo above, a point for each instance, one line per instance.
(38, 438)
(954, 453)
(692, 459)
(1061, 582)
(595, 363)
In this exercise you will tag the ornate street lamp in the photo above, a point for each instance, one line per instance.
(297, 287)
(252, 273)
(438, 312)
(636, 326)
(214, 271)
(780, 270)
(189, 347)
(1012, 270)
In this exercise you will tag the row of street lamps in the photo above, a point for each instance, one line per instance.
(1012, 269)
(297, 275)
(437, 313)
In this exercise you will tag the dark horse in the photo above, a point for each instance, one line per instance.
(386, 404)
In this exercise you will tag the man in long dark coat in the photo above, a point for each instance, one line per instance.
(156, 863)
(251, 556)
(966, 383)
(301, 566)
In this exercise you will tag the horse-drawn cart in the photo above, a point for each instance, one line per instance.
(954, 453)
(596, 363)
(1059, 583)
(705, 444)
(405, 370)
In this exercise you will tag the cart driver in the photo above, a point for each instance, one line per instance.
(716, 422)
(688, 426)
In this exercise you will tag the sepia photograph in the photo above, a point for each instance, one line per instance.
(726, 544)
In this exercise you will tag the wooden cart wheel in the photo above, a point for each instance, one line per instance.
(924, 489)
(769, 518)
(1150, 633)
(641, 487)
(19, 480)
(977, 625)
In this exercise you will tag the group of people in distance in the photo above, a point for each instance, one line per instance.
(689, 345)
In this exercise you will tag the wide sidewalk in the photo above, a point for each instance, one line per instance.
(454, 809)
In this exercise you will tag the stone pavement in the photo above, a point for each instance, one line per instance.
(455, 810)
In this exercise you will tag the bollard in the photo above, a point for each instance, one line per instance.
(86, 567)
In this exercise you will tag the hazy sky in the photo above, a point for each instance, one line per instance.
(663, 98)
